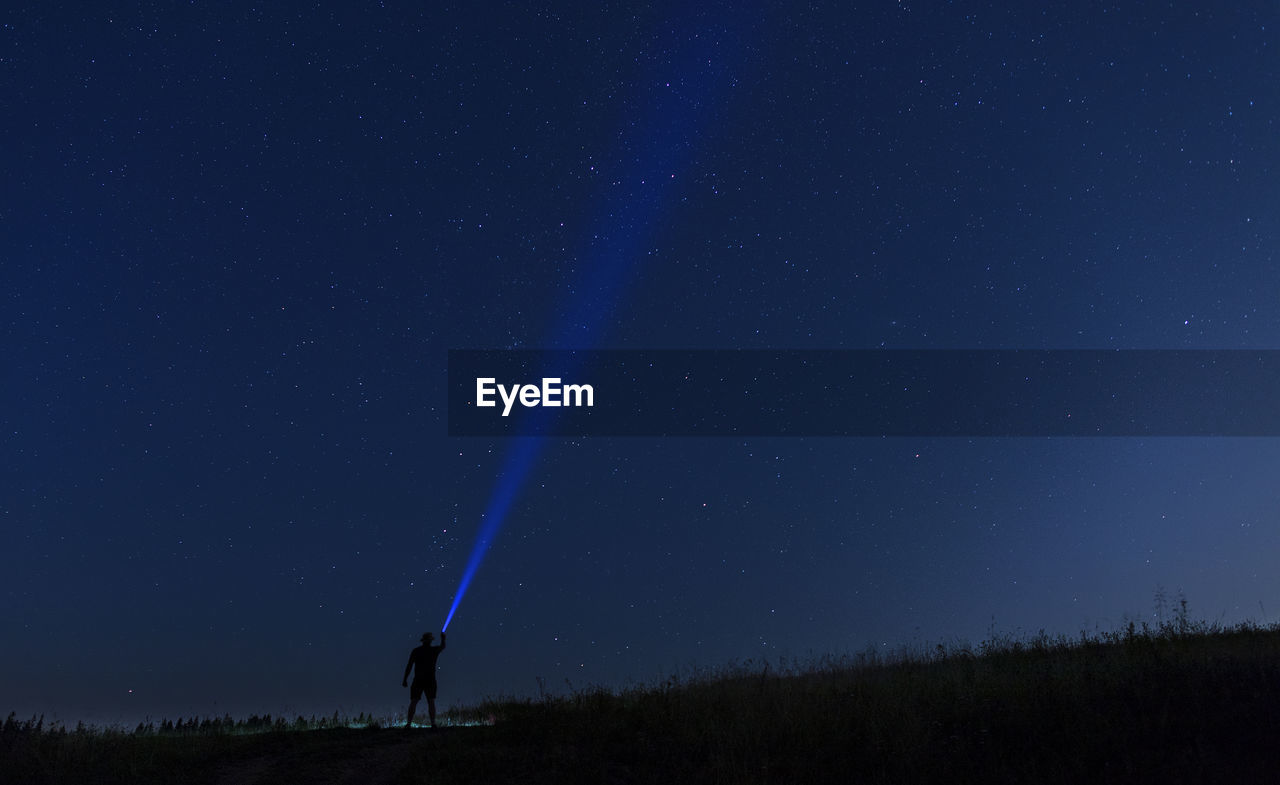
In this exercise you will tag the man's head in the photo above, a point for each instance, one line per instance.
(427, 637)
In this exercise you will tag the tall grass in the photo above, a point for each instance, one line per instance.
(1178, 701)
(183, 751)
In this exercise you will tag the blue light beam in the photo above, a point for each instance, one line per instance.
(515, 469)
(657, 148)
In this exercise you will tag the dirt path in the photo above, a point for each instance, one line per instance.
(329, 758)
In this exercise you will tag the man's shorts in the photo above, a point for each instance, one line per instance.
(417, 688)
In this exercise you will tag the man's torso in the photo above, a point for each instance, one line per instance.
(424, 662)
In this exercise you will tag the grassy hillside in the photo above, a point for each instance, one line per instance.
(1182, 703)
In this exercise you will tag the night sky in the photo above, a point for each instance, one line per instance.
(237, 243)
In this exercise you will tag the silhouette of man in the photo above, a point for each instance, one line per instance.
(424, 678)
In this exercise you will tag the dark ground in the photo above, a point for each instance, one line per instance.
(1171, 705)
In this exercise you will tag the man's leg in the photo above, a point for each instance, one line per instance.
(431, 699)
(415, 692)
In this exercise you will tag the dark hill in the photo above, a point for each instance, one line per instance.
(1177, 704)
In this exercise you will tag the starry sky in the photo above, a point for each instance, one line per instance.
(237, 242)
